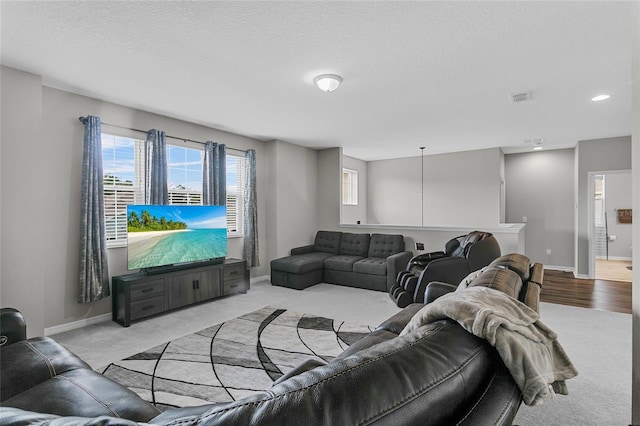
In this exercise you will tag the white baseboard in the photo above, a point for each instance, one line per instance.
(629, 259)
(561, 268)
(76, 324)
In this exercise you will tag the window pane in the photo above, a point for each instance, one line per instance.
(349, 187)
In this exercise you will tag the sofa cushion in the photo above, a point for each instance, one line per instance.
(504, 280)
(384, 245)
(300, 264)
(83, 393)
(341, 263)
(371, 265)
(355, 244)
(28, 363)
(327, 242)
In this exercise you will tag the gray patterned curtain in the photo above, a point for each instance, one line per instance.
(250, 211)
(94, 271)
(214, 174)
(156, 191)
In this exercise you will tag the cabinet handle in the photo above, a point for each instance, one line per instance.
(146, 308)
(233, 285)
(147, 290)
(233, 272)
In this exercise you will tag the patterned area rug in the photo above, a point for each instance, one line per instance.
(231, 360)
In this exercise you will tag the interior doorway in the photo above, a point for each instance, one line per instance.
(610, 225)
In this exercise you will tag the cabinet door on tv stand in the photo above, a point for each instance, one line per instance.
(193, 287)
(182, 290)
(209, 284)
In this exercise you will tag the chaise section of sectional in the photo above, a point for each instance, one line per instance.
(305, 266)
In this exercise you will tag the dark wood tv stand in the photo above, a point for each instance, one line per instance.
(139, 295)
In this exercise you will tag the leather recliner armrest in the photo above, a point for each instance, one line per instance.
(13, 327)
(436, 289)
(450, 270)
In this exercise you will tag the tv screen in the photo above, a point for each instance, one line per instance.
(163, 235)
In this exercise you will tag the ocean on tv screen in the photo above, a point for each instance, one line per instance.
(169, 235)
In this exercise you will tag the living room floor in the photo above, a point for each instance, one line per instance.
(106, 342)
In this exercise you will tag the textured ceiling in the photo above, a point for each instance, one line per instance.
(434, 74)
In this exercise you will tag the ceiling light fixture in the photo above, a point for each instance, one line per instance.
(538, 148)
(328, 82)
(600, 98)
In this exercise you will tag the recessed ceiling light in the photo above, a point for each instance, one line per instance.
(600, 98)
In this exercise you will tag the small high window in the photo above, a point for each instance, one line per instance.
(350, 187)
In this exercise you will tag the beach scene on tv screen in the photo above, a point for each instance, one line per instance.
(168, 235)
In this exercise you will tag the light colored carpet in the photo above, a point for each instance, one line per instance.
(229, 361)
(598, 342)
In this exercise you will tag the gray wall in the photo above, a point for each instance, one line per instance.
(25, 212)
(329, 175)
(353, 214)
(41, 173)
(292, 187)
(595, 156)
(540, 186)
(618, 196)
(452, 183)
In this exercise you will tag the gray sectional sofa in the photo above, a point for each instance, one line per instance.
(355, 260)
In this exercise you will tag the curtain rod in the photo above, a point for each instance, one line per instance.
(169, 136)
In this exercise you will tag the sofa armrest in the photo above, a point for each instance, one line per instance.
(302, 250)
(13, 327)
(396, 263)
(436, 289)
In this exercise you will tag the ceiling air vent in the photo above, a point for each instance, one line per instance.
(520, 97)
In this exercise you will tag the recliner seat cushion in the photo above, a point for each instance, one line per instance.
(341, 262)
(300, 264)
(83, 392)
(28, 363)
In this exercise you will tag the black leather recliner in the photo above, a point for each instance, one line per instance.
(461, 256)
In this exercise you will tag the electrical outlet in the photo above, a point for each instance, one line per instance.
(524, 219)
(548, 252)
(419, 246)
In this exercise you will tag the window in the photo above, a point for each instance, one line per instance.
(123, 168)
(349, 187)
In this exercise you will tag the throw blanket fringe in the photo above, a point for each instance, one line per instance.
(530, 350)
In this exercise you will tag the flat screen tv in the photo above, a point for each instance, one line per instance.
(175, 235)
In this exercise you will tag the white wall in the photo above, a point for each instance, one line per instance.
(539, 186)
(26, 224)
(594, 156)
(452, 183)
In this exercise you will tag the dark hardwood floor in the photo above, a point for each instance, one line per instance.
(565, 289)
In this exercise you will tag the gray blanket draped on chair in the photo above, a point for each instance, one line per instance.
(528, 348)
